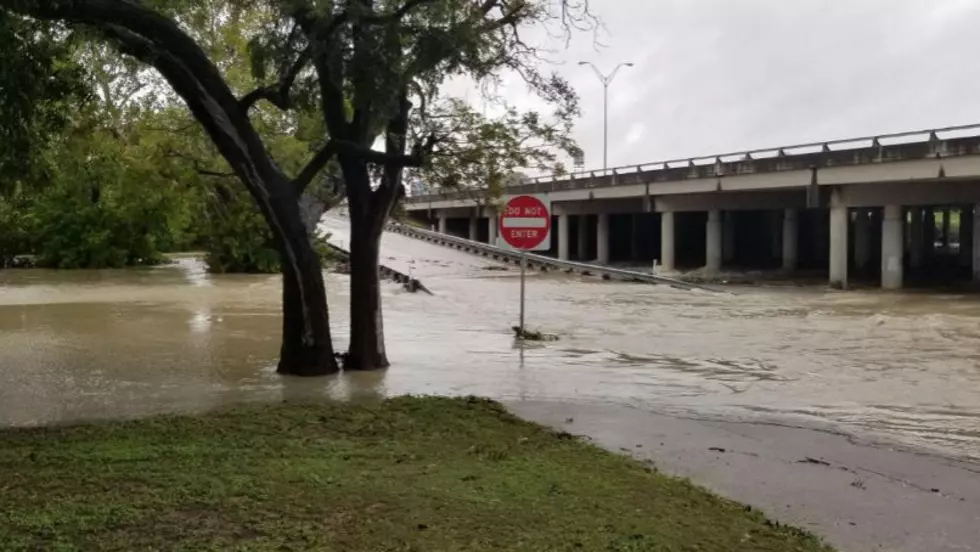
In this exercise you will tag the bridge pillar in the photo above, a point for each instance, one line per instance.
(892, 250)
(492, 229)
(443, 223)
(791, 229)
(974, 213)
(916, 237)
(634, 237)
(602, 238)
(775, 234)
(667, 262)
(862, 240)
(838, 244)
(728, 236)
(929, 232)
(946, 230)
(583, 237)
(966, 236)
(474, 233)
(564, 235)
(712, 246)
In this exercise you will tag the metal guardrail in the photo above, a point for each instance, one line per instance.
(540, 261)
(928, 136)
(409, 283)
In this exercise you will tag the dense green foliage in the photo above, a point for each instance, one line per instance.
(237, 238)
(41, 86)
(104, 169)
(96, 207)
(15, 230)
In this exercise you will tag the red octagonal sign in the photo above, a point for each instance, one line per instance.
(526, 223)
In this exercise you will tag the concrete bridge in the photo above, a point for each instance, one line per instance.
(880, 208)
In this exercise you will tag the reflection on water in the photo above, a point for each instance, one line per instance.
(79, 345)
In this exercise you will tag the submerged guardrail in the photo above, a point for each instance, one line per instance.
(409, 283)
(540, 262)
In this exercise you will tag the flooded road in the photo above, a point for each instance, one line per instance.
(899, 367)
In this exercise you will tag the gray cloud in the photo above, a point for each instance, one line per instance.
(721, 75)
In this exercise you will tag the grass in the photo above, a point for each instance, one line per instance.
(422, 474)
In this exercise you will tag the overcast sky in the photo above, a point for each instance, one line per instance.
(712, 76)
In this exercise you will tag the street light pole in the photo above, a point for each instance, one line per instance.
(606, 80)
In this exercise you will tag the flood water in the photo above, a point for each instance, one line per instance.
(123, 343)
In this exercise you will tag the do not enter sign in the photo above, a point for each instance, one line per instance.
(525, 223)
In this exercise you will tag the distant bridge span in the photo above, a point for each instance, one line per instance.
(819, 205)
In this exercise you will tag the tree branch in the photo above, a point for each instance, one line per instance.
(197, 165)
(204, 172)
(319, 35)
(416, 158)
(313, 168)
(278, 94)
(399, 13)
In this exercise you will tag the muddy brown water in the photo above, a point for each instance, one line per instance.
(121, 343)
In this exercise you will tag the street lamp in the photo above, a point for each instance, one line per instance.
(606, 81)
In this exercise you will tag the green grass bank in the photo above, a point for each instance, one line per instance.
(407, 474)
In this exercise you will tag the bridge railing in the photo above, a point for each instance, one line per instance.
(539, 261)
(783, 156)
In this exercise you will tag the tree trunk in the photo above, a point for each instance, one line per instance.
(158, 41)
(307, 349)
(367, 340)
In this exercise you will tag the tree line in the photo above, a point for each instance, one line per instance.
(135, 127)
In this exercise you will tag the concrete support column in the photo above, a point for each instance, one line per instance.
(791, 229)
(891, 248)
(838, 246)
(712, 246)
(776, 234)
(474, 233)
(583, 237)
(947, 219)
(564, 235)
(492, 229)
(976, 243)
(602, 239)
(916, 244)
(966, 236)
(928, 232)
(667, 260)
(862, 240)
(728, 237)
(634, 237)
(443, 223)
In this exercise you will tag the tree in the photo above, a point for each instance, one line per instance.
(376, 70)
(40, 87)
(380, 68)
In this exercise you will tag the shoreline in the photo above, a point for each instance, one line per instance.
(858, 496)
(412, 473)
(857, 492)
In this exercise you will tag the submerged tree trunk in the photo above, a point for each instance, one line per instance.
(307, 349)
(367, 338)
(369, 210)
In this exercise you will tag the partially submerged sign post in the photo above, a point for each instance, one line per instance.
(525, 225)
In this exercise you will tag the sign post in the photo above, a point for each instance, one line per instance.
(525, 225)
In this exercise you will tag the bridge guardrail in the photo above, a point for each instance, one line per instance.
(946, 141)
(540, 261)
(409, 283)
